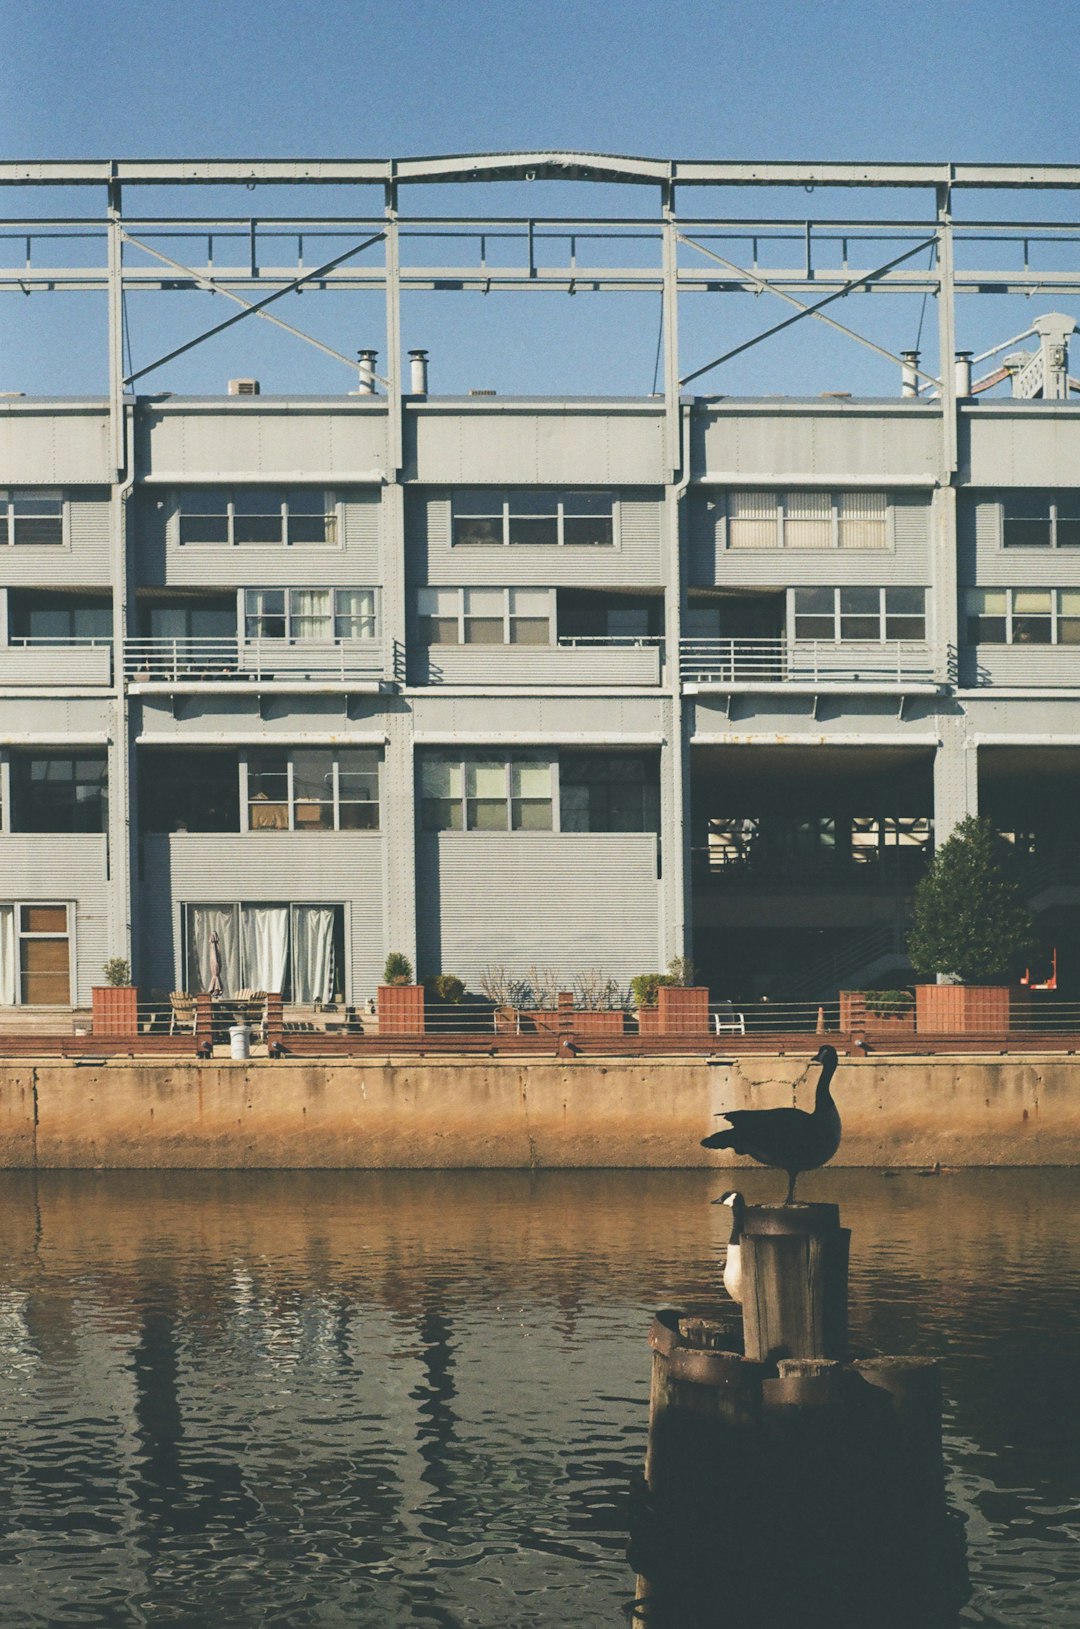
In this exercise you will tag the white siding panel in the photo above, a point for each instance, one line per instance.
(580, 667)
(570, 902)
(906, 561)
(64, 868)
(53, 444)
(261, 440)
(521, 446)
(638, 561)
(744, 443)
(1028, 445)
(84, 561)
(307, 868)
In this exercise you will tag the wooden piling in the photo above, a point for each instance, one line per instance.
(794, 1269)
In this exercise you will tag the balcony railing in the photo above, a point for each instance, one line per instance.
(892, 662)
(210, 661)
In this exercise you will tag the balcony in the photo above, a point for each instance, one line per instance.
(577, 663)
(232, 665)
(53, 662)
(806, 666)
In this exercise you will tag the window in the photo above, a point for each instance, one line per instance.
(298, 949)
(35, 954)
(31, 517)
(608, 791)
(541, 517)
(191, 620)
(59, 794)
(183, 789)
(1041, 520)
(59, 619)
(860, 614)
(259, 517)
(484, 616)
(485, 794)
(807, 520)
(311, 789)
(302, 615)
(1023, 616)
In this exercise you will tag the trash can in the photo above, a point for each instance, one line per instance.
(240, 1040)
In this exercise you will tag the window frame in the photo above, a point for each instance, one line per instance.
(331, 515)
(1054, 497)
(781, 498)
(12, 495)
(1055, 616)
(462, 615)
(463, 763)
(288, 615)
(838, 614)
(69, 936)
(505, 515)
(13, 758)
(248, 765)
(238, 903)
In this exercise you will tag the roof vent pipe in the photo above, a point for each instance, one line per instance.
(909, 373)
(963, 374)
(418, 372)
(366, 361)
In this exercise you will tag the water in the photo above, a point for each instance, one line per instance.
(417, 1399)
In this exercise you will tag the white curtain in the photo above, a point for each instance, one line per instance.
(264, 944)
(313, 953)
(7, 955)
(203, 920)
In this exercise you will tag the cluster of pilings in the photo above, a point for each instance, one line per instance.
(786, 1484)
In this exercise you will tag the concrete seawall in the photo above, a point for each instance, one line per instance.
(503, 1113)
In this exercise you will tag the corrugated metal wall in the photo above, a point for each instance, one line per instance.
(712, 563)
(572, 902)
(69, 868)
(561, 444)
(294, 867)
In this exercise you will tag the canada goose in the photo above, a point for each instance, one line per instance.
(733, 1262)
(788, 1139)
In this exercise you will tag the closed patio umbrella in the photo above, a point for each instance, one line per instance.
(215, 965)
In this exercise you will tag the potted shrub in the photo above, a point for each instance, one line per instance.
(890, 1010)
(400, 1001)
(599, 1005)
(671, 1003)
(116, 1002)
(971, 928)
(443, 992)
(645, 995)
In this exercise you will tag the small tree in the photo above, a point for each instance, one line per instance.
(398, 969)
(969, 919)
(117, 971)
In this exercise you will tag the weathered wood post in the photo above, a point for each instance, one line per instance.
(795, 1276)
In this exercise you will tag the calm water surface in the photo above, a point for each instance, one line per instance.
(417, 1399)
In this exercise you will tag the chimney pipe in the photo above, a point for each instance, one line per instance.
(366, 361)
(418, 372)
(963, 374)
(909, 373)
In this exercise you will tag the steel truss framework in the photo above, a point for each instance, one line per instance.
(809, 264)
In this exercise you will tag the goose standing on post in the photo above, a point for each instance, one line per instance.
(787, 1139)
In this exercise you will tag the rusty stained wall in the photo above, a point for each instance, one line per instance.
(466, 1114)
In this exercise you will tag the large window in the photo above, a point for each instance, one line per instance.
(59, 619)
(59, 794)
(1023, 616)
(543, 516)
(1041, 520)
(484, 616)
(31, 516)
(860, 614)
(485, 794)
(188, 790)
(35, 954)
(311, 789)
(256, 516)
(807, 520)
(608, 791)
(295, 948)
(299, 615)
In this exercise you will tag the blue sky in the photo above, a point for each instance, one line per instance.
(952, 79)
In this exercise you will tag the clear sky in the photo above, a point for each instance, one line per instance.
(926, 79)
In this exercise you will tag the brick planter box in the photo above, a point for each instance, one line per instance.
(648, 1020)
(401, 1009)
(854, 1016)
(683, 1009)
(962, 1009)
(115, 1009)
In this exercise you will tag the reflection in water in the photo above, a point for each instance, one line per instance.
(415, 1398)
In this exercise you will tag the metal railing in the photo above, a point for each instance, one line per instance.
(804, 661)
(612, 641)
(161, 660)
